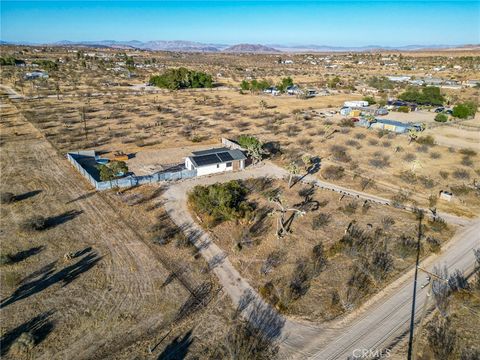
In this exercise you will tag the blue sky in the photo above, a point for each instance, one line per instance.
(337, 23)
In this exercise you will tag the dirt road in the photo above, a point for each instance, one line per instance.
(375, 325)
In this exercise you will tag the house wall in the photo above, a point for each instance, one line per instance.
(212, 169)
(188, 164)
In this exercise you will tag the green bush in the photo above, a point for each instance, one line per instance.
(220, 202)
(427, 96)
(182, 78)
(465, 110)
(441, 118)
(404, 109)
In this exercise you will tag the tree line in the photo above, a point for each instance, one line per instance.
(182, 78)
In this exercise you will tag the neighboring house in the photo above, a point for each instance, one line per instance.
(36, 75)
(391, 125)
(399, 78)
(215, 161)
(472, 83)
(294, 90)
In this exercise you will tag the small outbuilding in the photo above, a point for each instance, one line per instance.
(216, 160)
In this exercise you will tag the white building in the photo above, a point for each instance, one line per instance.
(216, 160)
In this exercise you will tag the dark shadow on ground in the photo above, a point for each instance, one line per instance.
(46, 277)
(53, 221)
(40, 326)
(25, 254)
(178, 348)
(82, 197)
(27, 195)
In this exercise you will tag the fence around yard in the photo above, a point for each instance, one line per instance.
(84, 162)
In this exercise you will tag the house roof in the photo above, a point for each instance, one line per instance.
(215, 156)
(392, 122)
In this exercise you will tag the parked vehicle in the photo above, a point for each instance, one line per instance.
(440, 109)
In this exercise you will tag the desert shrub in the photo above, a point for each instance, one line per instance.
(387, 222)
(359, 284)
(386, 144)
(441, 337)
(444, 174)
(373, 142)
(267, 291)
(435, 155)
(422, 149)
(350, 208)
(35, 223)
(461, 189)
(273, 260)
(408, 177)
(437, 224)
(381, 264)
(434, 244)
(426, 182)
(220, 202)
(441, 118)
(380, 162)
(406, 246)
(339, 153)
(467, 152)
(432, 200)
(319, 258)
(359, 136)
(426, 140)
(355, 241)
(300, 282)
(332, 172)
(7, 197)
(461, 174)
(381, 133)
(470, 354)
(409, 157)
(347, 123)
(353, 143)
(320, 221)
(457, 281)
(467, 161)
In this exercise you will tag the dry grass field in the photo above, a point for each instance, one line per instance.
(91, 283)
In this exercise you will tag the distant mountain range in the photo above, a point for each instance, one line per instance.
(192, 46)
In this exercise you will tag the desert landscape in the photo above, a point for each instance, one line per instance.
(323, 218)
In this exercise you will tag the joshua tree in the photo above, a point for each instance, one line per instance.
(293, 169)
(283, 225)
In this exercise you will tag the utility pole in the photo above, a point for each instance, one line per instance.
(84, 122)
(412, 317)
(425, 307)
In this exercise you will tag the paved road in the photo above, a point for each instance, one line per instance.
(375, 325)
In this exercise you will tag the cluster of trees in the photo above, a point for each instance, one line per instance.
(182, 78)
(426, 96)
(260, 85)
(255, 85)
(380, 83)
(47, 64)
(465, 110)
(7, 60)
(220, 202)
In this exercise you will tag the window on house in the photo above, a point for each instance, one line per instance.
(229, 164)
